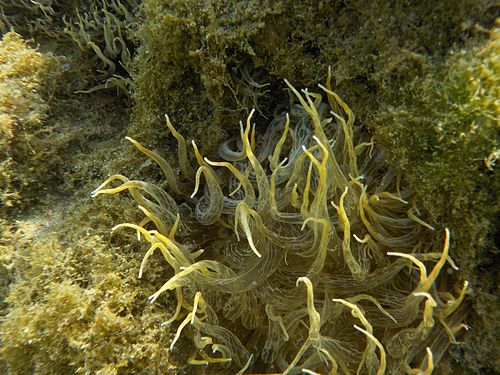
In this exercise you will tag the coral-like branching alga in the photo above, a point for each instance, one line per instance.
(300, 252)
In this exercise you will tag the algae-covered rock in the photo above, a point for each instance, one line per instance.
(77, 308)
(26, 83)
(207, 53)
(444, 133)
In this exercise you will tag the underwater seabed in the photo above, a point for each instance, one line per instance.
(299, 252)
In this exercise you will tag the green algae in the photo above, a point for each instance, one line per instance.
(77, 308)
(27, 79)
(449, 157)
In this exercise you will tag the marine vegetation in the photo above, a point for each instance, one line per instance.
(450, 158)
(27, 80)
(300, 252)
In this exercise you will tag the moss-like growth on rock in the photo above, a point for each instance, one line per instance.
(194, 51)
(78, 308)
(444, 133)
(27, 80)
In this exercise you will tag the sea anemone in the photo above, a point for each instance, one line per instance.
(299, 252)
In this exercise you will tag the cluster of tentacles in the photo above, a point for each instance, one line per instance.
(102, 29)
(27, 15)
(299, 252)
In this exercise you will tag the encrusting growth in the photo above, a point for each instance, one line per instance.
(310, 203)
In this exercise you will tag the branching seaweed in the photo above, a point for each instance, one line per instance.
(310, 203)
